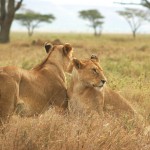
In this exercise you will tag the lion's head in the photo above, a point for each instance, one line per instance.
(61, 53)
(90, 73)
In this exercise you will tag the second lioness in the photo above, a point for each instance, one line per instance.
(88, 91)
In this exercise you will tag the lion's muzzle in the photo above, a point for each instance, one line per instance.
(101, 84)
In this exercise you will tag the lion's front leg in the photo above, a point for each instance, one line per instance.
(20, 108)
(7, 97)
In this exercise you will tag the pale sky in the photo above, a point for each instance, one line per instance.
(88, 2)
(67, 17)
(81, 2)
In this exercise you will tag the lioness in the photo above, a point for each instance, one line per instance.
(38, 88)
(88, 90)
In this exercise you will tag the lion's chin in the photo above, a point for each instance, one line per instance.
(99, 88)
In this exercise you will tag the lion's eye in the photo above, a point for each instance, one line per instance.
(94, 70)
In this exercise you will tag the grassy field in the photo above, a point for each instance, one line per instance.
(126, 63)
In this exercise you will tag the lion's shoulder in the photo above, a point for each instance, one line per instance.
(12, 72)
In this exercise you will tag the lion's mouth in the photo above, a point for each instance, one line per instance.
(98, 86)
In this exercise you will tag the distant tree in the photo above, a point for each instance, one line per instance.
(95, 19)
(8, 9)
(145, 3)
(31, 20)
(134, 17)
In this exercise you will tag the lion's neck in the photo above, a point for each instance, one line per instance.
(53, 66)
(80, 87)
(58, 67)
(56, 62)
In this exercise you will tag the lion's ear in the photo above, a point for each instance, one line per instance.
(67, 48)
(94, 57)
(77, 63)
(48, 47)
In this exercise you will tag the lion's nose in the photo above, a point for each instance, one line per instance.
(103, 81)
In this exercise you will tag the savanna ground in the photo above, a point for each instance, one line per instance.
(126, 63)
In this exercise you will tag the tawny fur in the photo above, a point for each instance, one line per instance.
(31, 92)
(84, 91)
(86, 96)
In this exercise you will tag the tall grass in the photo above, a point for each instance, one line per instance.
(126, 65)
(52, 131)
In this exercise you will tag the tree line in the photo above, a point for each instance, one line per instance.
(31, 20)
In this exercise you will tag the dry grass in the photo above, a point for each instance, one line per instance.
(52, 131)
(127, 67)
